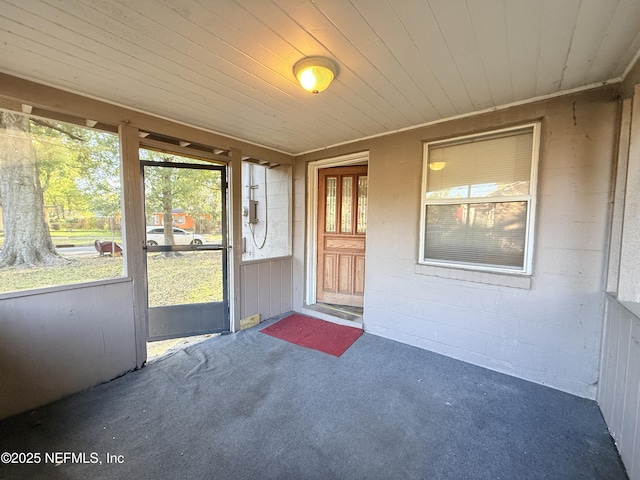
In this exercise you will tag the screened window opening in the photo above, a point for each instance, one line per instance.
(60, 212)
(478, 204)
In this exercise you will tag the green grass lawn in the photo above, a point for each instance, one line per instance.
(70, 271)
(79, 238)
(191, 277)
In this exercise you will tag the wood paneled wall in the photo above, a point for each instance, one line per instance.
(619, 389)
(266, 288)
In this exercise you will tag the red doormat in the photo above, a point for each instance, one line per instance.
(314, 333)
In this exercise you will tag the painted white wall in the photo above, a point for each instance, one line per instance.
(270, 236)
(266, 273)
(545, 328)
(58, 341)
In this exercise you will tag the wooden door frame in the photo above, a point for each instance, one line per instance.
(359, 158)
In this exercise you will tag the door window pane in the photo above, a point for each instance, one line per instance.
(362, 204)
(330, 210)
(347, 202)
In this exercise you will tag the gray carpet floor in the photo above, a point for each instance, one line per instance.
(249, 406)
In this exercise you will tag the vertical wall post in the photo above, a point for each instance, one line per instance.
(615, 242)
(629, 275)
(133, 233)
(235, 218)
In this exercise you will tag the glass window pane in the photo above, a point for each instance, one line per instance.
(490, 234)
(347, 202)
(480, 168)
(362, 204)
(330, 209)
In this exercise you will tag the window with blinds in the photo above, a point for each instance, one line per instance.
(478, 200)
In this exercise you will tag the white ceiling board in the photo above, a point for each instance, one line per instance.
(492, 40)
(593, 22)
(374, 47)
(419, 20)
(381, 17)
(367, 76)
(617, 51)
(557, 27)
(522, 20)
(348, 98)
(126, 66)
(457, 30)
(226, 66)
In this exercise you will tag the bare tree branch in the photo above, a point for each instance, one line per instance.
(45, 123)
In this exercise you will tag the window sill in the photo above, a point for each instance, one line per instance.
(61, 288)
(487, 278)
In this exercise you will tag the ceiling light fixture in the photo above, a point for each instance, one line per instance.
(315, 73)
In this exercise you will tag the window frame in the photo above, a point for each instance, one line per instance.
(530, 199)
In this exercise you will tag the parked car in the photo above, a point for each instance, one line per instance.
(155, 236)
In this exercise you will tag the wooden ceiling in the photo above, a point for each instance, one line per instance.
(226, 65)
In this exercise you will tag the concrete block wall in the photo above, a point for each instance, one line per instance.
(270, 236)
(547, 331)
(545, 327)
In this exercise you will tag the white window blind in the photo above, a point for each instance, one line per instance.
(478, 200)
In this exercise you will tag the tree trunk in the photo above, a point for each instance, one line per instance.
(27, 241)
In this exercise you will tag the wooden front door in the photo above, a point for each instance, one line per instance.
(342, 228)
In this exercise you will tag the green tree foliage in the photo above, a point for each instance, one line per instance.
(192, 191)
(79, 171)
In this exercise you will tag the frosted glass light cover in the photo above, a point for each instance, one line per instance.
(315, 74)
